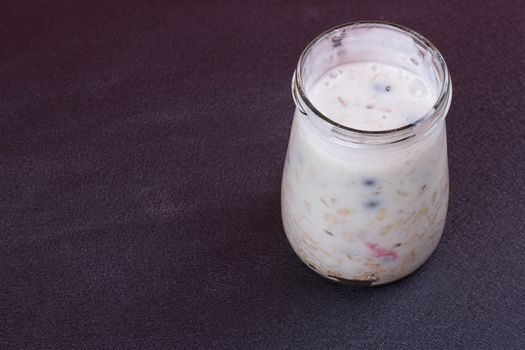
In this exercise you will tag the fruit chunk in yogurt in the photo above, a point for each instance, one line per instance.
(374, 214)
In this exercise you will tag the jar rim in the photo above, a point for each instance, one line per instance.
(420, 125)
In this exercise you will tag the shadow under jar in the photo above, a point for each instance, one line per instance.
(365, 182)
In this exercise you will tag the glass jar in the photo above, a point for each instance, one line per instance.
(366, 207)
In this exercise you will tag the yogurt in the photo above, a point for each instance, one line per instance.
(371, 96)
(357, 213)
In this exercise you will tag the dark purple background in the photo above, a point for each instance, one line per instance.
(141, 150)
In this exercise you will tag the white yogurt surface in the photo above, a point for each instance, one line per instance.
(371, 96)
(366, 213)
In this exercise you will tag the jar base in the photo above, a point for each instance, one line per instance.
(355, 283)
(371, 281)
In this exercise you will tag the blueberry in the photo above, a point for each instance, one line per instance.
(372, 204)
(387, 88)
(369, 182)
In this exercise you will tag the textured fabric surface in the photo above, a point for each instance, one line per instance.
(141, 150)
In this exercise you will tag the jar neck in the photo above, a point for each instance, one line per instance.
(332, 48)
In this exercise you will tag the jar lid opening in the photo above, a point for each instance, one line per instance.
(334, 46)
